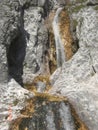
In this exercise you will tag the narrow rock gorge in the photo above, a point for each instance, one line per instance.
(48, 64)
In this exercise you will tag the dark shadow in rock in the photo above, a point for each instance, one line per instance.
(75, 45)
(15, 56)
(36, 67)
(16, 51)
(91, 4)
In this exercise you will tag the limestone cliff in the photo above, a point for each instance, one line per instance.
(49, 47)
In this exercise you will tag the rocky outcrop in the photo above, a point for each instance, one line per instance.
(22, 32)
(13, 98)
(78, 77)
(37, 42)
(28, 57)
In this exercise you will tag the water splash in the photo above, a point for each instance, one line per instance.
(60, 53)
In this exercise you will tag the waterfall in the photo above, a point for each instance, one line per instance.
(60, 53)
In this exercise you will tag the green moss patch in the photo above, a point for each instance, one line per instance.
(76, 9)
(96, 7)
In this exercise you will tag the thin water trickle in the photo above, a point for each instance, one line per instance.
(60, 53)
(66, 116)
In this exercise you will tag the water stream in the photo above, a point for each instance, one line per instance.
(60, 53)
(49, 115)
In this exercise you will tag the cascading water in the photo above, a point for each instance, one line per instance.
(48, 112)
(60, 53)
(49, 115)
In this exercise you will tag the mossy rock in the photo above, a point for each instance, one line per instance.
(76, 9)
(96, 7)
(80, 1)
(15, 102)
(75, 23)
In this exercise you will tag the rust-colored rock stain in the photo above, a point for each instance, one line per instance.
(64, 26)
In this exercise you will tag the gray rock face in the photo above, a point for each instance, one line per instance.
(37, 37)
(12, 41)
(23, 36)
(22, 33)
(4, 12)
(78, 77)
(16, 26)
(40, 3)
(37, 41)
(12, 99)
(23, 51)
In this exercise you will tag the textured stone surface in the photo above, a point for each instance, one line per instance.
(78, 77)
(37, 40)
(5, 17)
(24, 44)
(11, 32)
(12, 99)
(14, 31)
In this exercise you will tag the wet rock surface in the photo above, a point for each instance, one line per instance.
(49, 113)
